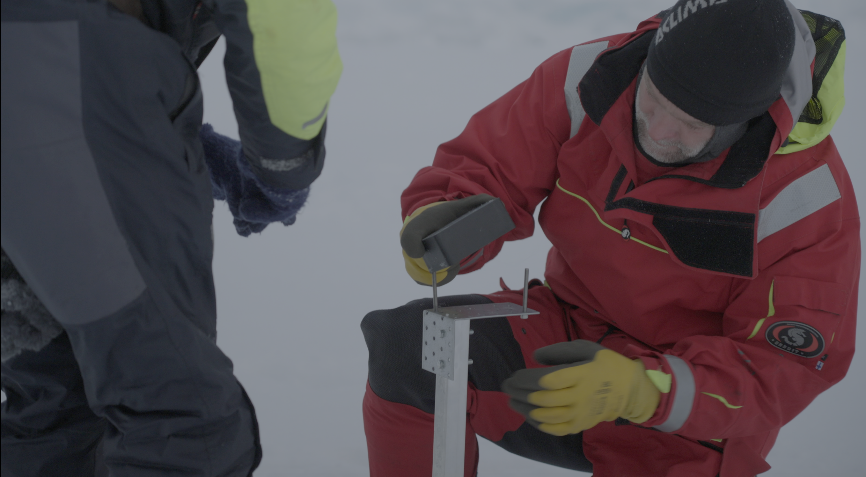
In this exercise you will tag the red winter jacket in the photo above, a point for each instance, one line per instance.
(735, 280)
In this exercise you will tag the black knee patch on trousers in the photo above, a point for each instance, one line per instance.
(46, 404)
(394, 342)
(560, 451)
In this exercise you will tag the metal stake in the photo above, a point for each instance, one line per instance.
(525, 293)
(449, 420)
(445, 352)
(436, 296)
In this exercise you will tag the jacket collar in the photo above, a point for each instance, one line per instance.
(613, 73)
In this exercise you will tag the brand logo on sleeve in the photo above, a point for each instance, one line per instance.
(796, 338)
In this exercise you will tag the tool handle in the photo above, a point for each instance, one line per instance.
(466, 235)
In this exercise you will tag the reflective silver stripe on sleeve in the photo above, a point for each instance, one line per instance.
(316, 119)
(798, 200)
(684, 397)
(582, 57)
(797, 85)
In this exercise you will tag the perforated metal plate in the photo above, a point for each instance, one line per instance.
(437, 349)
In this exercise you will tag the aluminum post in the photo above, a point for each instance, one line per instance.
(449, 422)
(445, 352)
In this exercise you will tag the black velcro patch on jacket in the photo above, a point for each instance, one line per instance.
(713, 240)
(720, 246)
(716, 240)
(610, 75)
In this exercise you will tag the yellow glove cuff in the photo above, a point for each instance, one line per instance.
(417, 269)
(645, 396)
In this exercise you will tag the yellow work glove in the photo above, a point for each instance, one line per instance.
(585, 385)
(423, 222)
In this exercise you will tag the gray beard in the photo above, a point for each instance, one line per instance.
(661, 151)
(666, 152)
(723, 138)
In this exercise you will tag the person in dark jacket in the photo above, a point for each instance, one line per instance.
(108, 186)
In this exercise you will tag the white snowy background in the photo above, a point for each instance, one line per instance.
(291, 299)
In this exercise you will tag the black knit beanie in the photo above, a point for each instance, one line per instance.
(722, 61)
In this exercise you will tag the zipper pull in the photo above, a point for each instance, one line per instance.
(626, 233)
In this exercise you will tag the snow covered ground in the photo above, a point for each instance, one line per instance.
(291, 299)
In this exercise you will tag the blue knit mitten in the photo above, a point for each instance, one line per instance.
(253, 203)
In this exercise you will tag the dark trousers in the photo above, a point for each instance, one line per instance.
(399, 402)
(106, 214)
(48, 428)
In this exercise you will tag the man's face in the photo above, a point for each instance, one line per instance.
(666, 132)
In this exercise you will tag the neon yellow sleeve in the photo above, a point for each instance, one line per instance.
(295, 49)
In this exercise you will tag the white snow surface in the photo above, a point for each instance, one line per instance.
(291, 299)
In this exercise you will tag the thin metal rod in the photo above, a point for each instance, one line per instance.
(436, 295)
(525, 293)
(525, 288)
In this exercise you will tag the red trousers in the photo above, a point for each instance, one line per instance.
(398, 404)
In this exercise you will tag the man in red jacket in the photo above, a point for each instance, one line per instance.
(702, 286)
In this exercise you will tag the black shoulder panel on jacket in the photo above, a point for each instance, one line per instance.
(610, 75)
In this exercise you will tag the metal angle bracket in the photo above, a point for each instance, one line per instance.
(444, 327)
(445, 352)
